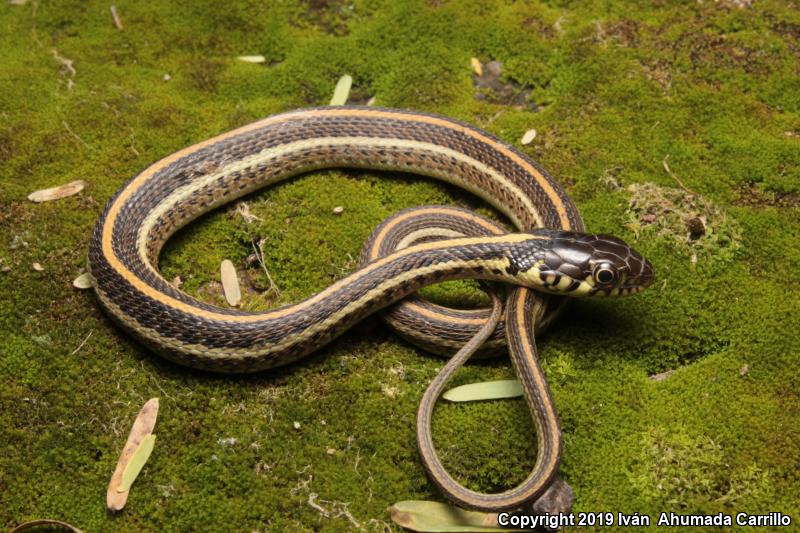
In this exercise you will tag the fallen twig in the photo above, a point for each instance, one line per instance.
(259, 253)
(82, 343)
(680, 183)
(64, 122)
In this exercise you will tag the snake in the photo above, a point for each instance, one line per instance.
(547, 256)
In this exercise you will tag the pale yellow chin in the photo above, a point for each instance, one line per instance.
(532, 278)
(584, 289)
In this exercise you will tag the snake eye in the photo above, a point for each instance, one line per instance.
(604, 274)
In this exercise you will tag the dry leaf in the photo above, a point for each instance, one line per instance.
(419, 515)
(54, 193)
(529, 136)
(338, 210)
(372, 100)
(84, 281)
(115, 17)
(662, 375)
(142, 427)
(252, 59)
(38, 267)
(342, 90)
(488, 390)
(230, 283)
(477, 68)
(45, 522)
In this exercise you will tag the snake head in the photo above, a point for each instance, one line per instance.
(582, 264)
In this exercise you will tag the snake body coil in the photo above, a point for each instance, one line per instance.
(147, 210)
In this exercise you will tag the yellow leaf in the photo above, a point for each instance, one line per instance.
(137, 462)
(477, 68)
(488, 390)
(252, 59)
(342, 90)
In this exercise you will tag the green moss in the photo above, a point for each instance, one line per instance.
(709, 88)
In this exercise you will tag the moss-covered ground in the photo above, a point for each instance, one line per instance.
(649, 116)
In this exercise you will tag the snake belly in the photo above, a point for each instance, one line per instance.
(169, 194)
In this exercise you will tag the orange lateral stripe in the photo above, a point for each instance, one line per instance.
(145, 175)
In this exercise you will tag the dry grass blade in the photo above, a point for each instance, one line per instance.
(230, 283)
(142, 427)
(342, 91)
(54, 193)
(46, 523)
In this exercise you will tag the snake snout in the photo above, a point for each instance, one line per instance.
(641, 271)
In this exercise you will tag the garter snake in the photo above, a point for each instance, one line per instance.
(559, 260)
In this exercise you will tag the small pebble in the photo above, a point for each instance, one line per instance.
(296, 425)
(167, 77)
(338, 210)
(177, 282)
(331, 451)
